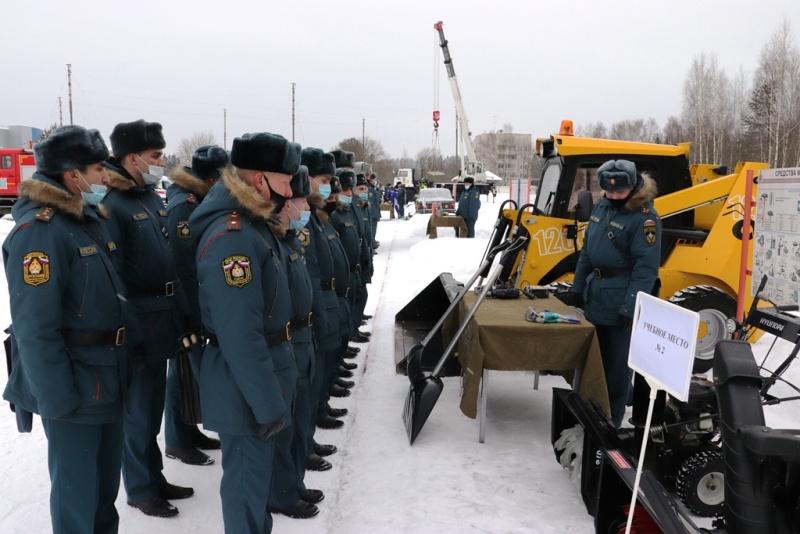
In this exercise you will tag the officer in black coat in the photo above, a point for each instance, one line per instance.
(247, 373)
(72, 327)
(375, 195)
(138, 225)
(190, 185)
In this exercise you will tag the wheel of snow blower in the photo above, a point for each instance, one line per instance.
(715, 307)
(701, 483)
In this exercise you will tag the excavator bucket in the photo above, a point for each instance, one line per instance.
(415, 321)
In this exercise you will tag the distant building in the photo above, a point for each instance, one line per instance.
(506, 154)
(18, 136)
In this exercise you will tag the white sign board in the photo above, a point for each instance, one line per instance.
(776, 239)
(663, 344)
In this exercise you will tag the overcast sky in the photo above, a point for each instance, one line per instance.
(529, 63)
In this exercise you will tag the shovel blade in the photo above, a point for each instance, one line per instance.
(421, 398)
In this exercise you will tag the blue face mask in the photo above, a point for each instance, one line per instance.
(346, 200)
(96, 196)
(301, 222)
(467, 187)
(324, 191)
(363, 196)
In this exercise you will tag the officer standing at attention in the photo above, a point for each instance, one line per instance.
(468, 205)
(619, 258)
(320, 265)
(137, 224)
(374, 195)
(247, 373)
(289, 494)
(190, 185)
(69, 325)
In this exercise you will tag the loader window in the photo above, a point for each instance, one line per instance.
(585, 180)
(6, 162)
(547, 189)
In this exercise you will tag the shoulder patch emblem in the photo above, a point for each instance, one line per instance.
(304, 236)
(237, 270)
(650, 232)
(35, 268)
(45, 214)
(183, 230)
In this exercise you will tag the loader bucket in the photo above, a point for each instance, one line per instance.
(413, 323)
(422, 396)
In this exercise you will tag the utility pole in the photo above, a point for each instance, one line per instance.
(225, 128)
(364, 136)
(69, 84)
(293, 84)
(60, 113)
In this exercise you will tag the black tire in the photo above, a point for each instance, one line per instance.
(701, 483)
(715, 307)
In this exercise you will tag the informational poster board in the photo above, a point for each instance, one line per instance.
(776, 237)
(663, 344)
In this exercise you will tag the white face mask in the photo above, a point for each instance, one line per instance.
(96, 196)
(154, 174)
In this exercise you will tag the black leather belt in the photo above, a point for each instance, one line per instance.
(355, 269)
(302, 322)
(329, 285)
(343, 293)
(272, 339)
(163, 290)
(84, 338)
(611, 273)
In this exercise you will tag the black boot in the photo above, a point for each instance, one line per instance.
(324, 450)
(312, 496)
(172, 492)
(359, 338)
(346, 384)
(336, 412)
(350, 366)
(299, 510)
(354, 350)
(338, 391)
(367, 317)
(188, 455)
(155, 507)
(329, 423)
(316, 463)
(344, 373)
(201, 441)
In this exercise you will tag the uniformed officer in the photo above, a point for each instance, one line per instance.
(619, 258)
(468, 205)
(362, 208)
(69, 323)
(138, 225)
(289, 495)
(190, 185)
(324, 242)
(247, 373)
(374, 205)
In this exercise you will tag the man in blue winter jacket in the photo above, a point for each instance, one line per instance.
(72, 327)
(468, 205)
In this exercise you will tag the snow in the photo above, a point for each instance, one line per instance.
(447, 482)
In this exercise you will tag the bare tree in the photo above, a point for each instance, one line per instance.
(645, 131)
(188, 145)
(46, 132)
(593, 129)
(371, 150)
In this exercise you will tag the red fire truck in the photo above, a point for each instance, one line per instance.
(16, 165)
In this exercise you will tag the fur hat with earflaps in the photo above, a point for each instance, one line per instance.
(134, 137)
(318, 162)
(343, 159)
(266, 152)
(617, 175)
(208, 160)
(347, 178)
(300, 184)
(69, 147)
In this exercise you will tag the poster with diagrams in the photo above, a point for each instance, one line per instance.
(776, 246)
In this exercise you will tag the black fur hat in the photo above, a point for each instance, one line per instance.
(361, 180)
(373, 176)
(336, 185)
(469, 180)
(208, 160)
(69, 147)
(347, 178)
(343, 159)
(318, 162)
(265, 152)
(300, 184)
(134, 137)
(617, 175)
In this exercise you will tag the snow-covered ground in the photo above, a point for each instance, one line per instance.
(446, 483)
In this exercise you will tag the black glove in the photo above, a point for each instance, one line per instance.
(266, 431)
(578, 301)
(625, 322)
